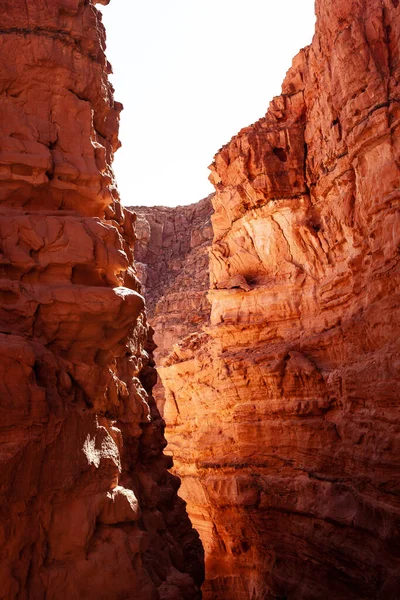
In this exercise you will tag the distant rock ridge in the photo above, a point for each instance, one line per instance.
(171, 250)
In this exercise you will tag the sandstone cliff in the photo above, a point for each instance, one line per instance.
(87, 507)
(171, 250)
(290, 398)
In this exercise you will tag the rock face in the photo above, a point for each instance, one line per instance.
(290, 399)
(87, 506)
(171, 248)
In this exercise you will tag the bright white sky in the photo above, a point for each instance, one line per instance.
(191, 74)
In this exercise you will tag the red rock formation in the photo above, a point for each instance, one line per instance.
(290, 399)
(171, 248)
(87, 507)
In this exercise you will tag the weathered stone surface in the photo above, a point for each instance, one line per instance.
(87, 506)
(289, 400)
(171, 250)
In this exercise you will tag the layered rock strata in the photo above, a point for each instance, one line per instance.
(283, 417)
(87, 506)
(171, 250)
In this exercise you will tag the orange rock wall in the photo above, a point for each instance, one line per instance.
(87, 506)
(283, 418)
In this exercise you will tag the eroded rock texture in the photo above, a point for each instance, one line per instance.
(171, 250)
(290, 399)
(87, 506)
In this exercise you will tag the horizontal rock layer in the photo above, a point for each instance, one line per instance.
(283, 417)
(87, 506)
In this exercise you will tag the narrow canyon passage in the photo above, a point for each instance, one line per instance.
(275, 307)
(282, 410)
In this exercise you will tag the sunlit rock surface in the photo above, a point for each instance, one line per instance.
(283, 417)
(171, 252)
(87, 506)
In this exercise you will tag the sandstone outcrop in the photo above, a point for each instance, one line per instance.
(283, 416)
(171, 251)
(87, 506)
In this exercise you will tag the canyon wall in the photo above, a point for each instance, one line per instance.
(87, 506)
(171, 253)
(283, 416)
